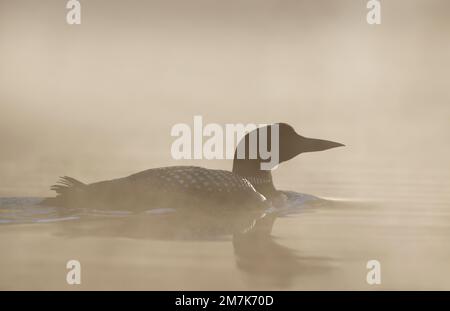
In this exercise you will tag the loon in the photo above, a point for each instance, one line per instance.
(247, 185)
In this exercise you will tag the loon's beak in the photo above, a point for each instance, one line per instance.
(312, 144)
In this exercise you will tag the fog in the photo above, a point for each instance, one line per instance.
(98, 100)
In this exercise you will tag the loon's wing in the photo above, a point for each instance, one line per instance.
(193, 179)
(199, 183)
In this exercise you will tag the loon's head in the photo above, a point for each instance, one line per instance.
(290, 144)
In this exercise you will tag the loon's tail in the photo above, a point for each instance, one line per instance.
(65, 187)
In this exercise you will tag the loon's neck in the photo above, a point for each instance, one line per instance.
(260, 179)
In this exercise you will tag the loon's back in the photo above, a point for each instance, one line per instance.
(173, 187)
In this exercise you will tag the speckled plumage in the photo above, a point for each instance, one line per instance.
(193, 178)
(162, 187)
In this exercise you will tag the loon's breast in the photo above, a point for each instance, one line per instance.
(174, 186)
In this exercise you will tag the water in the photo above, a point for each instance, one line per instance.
(154, 231)
(316, 244)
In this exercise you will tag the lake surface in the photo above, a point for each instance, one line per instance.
(317, 244)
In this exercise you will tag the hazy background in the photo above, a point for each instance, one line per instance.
(97, 101)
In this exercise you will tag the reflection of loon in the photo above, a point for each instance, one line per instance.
(246, 186)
